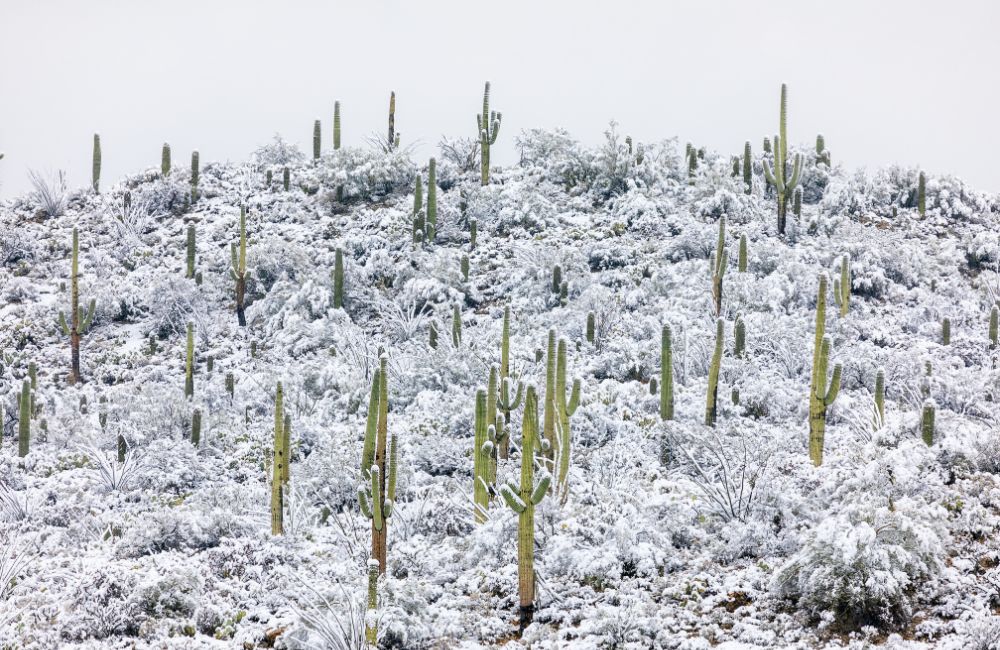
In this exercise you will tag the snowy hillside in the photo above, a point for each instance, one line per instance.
(662, 533)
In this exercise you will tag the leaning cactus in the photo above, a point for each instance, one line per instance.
(842, 286)
(711, 403)
(280, 457)
(719, 262)
(666, 375)
(879, 418)
(190, 252)
(742, 258)
(338, 279)
(927, 422)
(189, 363)
(821, 396)
(24, 420)
(747, 168)
(994, 320)
(488, 124)
(238, 268)
(779, 175)
(336, 125)
(523, 500)
(165, 160)
(431, 200)
(95, 178)
(195, 175)
(80, 320)
(377, 491)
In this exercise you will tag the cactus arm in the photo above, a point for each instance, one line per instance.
(769, 175)
(511, 499)
(368, 453)
(541, 489)
(495, 130)
(796, 171)
(62, 323)
(366, 509)
(574, 400)
(88, 317)
(834, 389)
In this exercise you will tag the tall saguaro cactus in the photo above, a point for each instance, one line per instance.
(336, 125)
(393, 140)
(922, 194)
(741, 261)
(712, 399)
(488, 123)
(189, 363)
(195, 174)
(280, 458)
(317, 138)
(563, 410)
(482, 452)
(842, 286)
(79, 321)
(190, 252)
(165, 160)
(238, 268)
(431, 200)
(994, 322)
(95, 174)
(879, 416)
(338, 279)
(507, 401)
(779, 177)
(377, 492)
(719, 263)
(522, 499)
(747, 168)
(24, 420)
(821, 395)
(927, 422)
(666, 375)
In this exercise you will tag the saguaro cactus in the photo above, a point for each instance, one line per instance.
(377, 492)
(482, 451)
(720, 261)
(393, 139)
(317, 139)
(994, 321)
(779, 177)
(419, 224)
(922, 194)
(739, 337)
(338, 279)
(24, 420)
(591, 326)
(927, 422)
(488, 126)
(946, 331)
(464, 266)
(431, 199)
(286, 178)
(456, 326)
(280, 457)
(522, 500)
(190, 252)
(822, 154)
(666, 375)
(742, 258)
(336, 125)
(95, 178)
(195, 174)
(564, 410)
(80, 320)
(165, 160)
(879, 418)
(189, 363)
(556, 278)
(196, 427)
(821, 396)
(238, 267)
(507, 401)
(712, 402)
(371, 625)
(747, 168)
(842, 286)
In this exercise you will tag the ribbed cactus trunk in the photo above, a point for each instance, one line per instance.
(489, 127)
(779, 176)
(317, 139)
(380, 532)
(190, 252)
(747, 168)
(24, 420)
(927, 423)
(165, 160)
(712, 399)
(238, 269)
(278, 467)
(95, 178)
(480, 492)
(508, 401)
(564, 411)
(431, 200)
(79, 321)
(821, 396)
(719, 263)
(338, 279)
(336, 125)
(195, 174)
(666, 375)
(393, 139)
(879, 418)
(922, 194)
(189, 363)
(549, 408)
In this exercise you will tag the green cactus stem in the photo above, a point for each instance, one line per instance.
(456, 326)
(371, 620)
(286, 179)
(278, 461)
(842, 286)
(80, 320)
(556, 278)
(377, 491)
(95, 178)
(338, 279)
(736, 166)
(879, 418)
(822, 155)
(994, 321)
(165, 160)
(508, 400)
(24, 420)
(230, 384)
(564, 293)
(797, 203)
(711, 403)
(741, 265)
(189, 363)
(591, 326)
(767, 145)
(122, 448)
(473, 227)
(747, 168)
(195, 175)
(481, 451)
(927, 422)
(432, 338)
(336, 125)
(666, 375)
(522, 500)
(778, 177)
(922, 195)
(286, 444)
(190, 252)
(653, 386)
(464, 265)
(821, 395)
(720, 261)
(488, 127)
(564, 411)
(739, 337)
(946, 331)
(238, 268)
(393, 139)
(317, 139)
(196, 427)
(431, 199)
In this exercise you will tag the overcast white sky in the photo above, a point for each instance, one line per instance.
(914, 82)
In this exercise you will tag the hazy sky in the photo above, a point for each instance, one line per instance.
(914, 82)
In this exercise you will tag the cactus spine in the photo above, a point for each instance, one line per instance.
(666, 375)
(165, 160)
(317, 139)
(719, 262)
(842, 286)
(523, 500)
(779, 175)
(742, 258)
(994, 321)
(927, 422)
(747, 168)
(190, 252)
(922, 194)
(821, 396)
(189, 363)
(238, 268)
(195, 175)
(338, 279)
(24, 420)
(711, 403)
(336, 125)
(377, 492)
(80, 320)
(488, 124)
(95, 178)
(879, 419)
(431, 199)
(277, 467)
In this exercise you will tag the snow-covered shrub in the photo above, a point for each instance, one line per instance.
(365, 175)
(278, 152)
(558, 158)
(51, 193)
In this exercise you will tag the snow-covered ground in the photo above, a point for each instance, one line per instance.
(675, 535)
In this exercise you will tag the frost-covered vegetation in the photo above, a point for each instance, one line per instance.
(638, 395)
